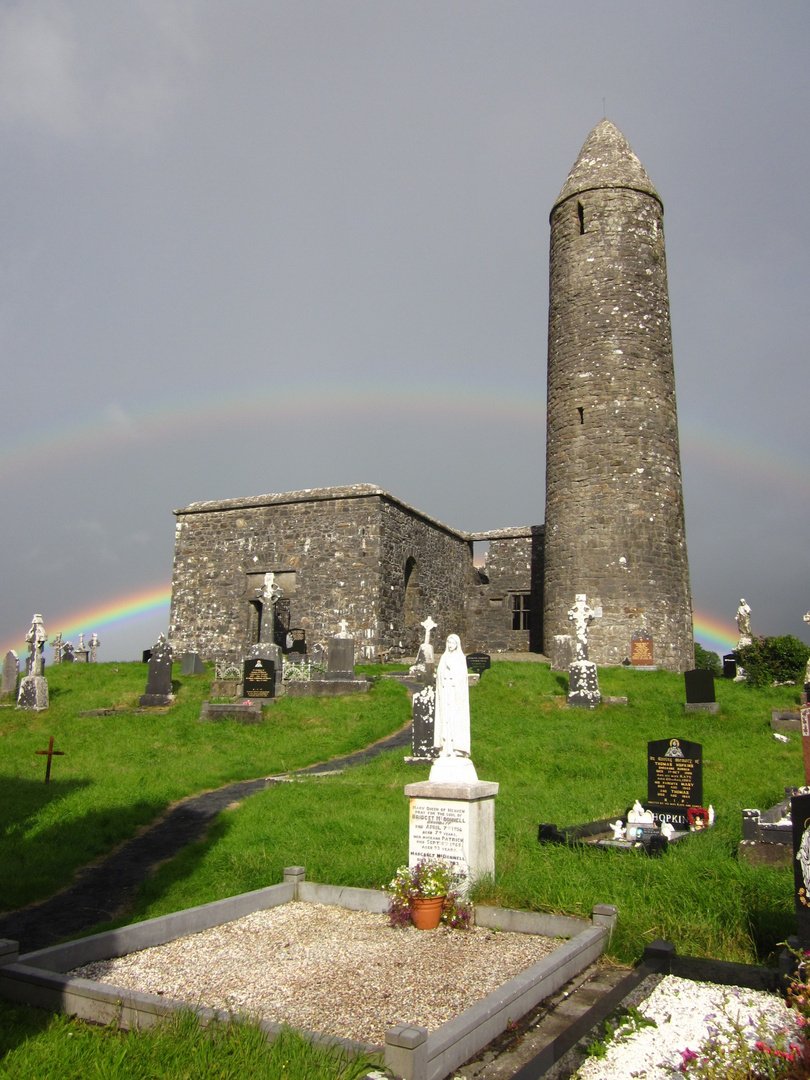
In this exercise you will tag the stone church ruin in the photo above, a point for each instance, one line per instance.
(614, 505)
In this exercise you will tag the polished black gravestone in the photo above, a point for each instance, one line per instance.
(259, 678)
(800, 813)
(159, 680)
(674, 779)
(478, 662)
(699, 685)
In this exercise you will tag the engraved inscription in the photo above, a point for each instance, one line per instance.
(439, 829)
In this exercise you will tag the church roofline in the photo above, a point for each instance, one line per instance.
(348, 491)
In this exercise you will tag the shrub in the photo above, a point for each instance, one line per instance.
(773, 660)
(708, 661)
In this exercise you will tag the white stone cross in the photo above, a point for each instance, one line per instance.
(270, 591)
(581, 615)
(344, 626)
(429, 625)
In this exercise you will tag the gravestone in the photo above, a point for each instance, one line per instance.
(191, 664)
(479, 662)
(674, 779)
(424, 717)
(94, 644)
(33, 692)
(273, 654)
(82, 654)
(159, 680)
(729, 666)
(425, 658)
(11, 671)
(297, 640)
(800, 814)
(583, 681)
(56, 645)
(146, 656)
(67, 653)
(699, 686)
(259, 678)
(340, 660)
(641, 651)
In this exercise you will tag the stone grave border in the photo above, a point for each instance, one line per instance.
(38, 978)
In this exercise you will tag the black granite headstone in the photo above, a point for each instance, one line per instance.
(259, 678)
(674, 779)
(424, 718)
(146, 656)
(729, 666)
(478, 662)
(800, 815)
(191, 664)
(699, 686)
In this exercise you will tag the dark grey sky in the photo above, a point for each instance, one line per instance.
(263, 246)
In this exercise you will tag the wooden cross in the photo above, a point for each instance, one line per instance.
(50, 752)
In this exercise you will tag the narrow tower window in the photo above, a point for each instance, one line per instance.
(581, 412)
(581, 216)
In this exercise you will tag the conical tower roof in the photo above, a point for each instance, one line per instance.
(606, 161)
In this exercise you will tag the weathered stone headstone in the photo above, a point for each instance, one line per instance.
(424, 717)
(259, 678)
(478, 662)
(674, 779)
(159, 680)
(94, 644)
(82, 654)
(56, 645)
(425, 658)
(191, 664)
(340, 659)
(583, 681)
(33, 692)
(641, 651)
(11, 671)
(800, 814)
(699, 685)
(67, 653)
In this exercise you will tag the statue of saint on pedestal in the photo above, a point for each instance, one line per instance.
(452, 727)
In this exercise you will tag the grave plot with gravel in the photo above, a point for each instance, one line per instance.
(328, 969)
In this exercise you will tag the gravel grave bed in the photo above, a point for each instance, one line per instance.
(686, 1014)
(328, 969)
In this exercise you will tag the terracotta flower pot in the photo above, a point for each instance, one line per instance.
(427, 912)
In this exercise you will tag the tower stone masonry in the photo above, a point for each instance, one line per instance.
(614, 525)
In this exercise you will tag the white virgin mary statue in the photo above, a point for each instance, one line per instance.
(451, 732)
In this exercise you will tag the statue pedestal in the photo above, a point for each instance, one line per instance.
(453, 820)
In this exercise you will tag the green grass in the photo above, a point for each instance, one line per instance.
(35, 1044)
(554, 764)
(122, 771)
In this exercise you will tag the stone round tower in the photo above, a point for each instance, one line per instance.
(614, 502)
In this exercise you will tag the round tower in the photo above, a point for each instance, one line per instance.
(614, 502)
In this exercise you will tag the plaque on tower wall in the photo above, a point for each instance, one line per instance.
(641, 651)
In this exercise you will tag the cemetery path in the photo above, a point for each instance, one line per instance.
(102, 890)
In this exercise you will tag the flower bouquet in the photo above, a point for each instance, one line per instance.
(429, 879)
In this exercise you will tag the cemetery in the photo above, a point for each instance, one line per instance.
(537, 758)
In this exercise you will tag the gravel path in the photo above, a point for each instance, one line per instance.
(327, 969)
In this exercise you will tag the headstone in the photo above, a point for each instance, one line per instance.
(67, 653)
(11, 671)
(729, 666)
(479, 662)
(191, 664)
(296, 641)
(674, 779)
(583, 681)
(424, 717)
(699, 685)
(146, 656)
(33, 692)
(425, 657)
(159, 680)
(800, 813)
(56, 645)
(805, 721)
(82, 654)
(259, 678)
(641, 651)
(94, 644)
(273, 653)
(340, 658)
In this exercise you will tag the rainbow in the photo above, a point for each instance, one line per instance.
(117, 428)
(713, 633)
(91, 619)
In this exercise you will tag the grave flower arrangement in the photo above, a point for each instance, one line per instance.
(429, 878)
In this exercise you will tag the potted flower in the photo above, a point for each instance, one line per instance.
(426, 894)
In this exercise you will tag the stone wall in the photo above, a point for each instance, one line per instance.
(513, 569)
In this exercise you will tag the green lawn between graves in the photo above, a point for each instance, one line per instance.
(553, 764)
